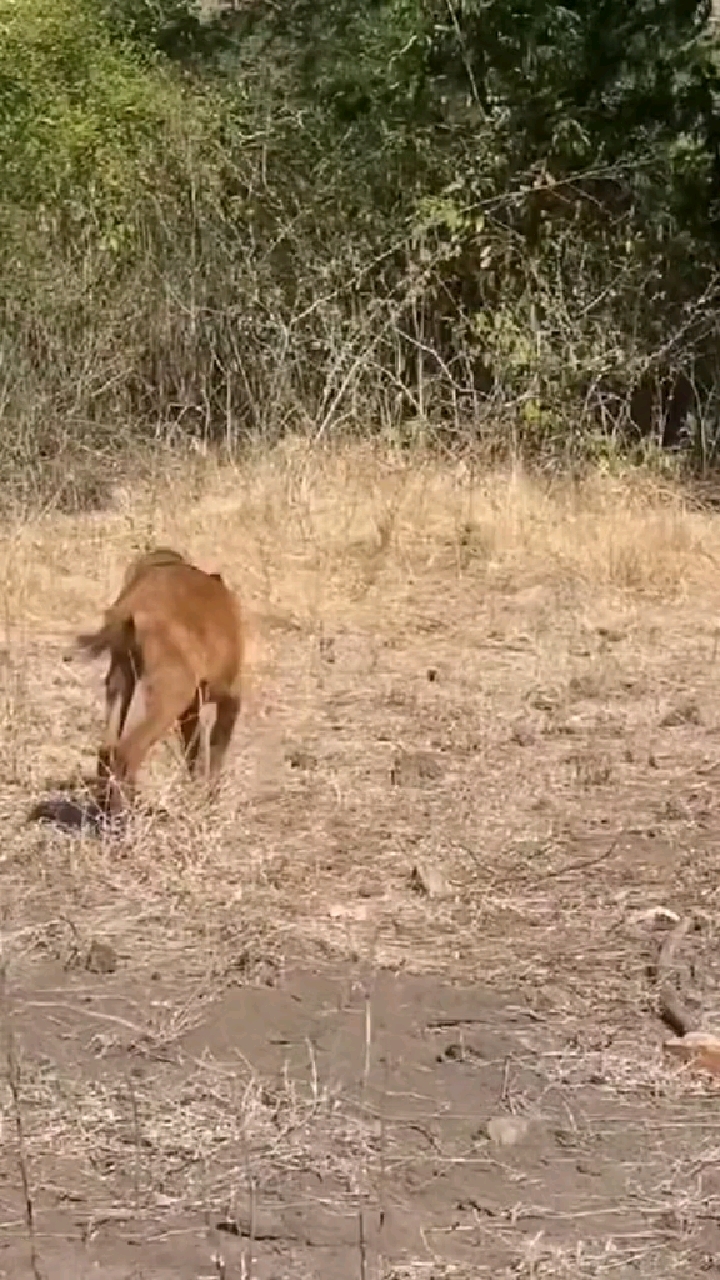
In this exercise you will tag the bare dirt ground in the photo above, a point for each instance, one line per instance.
(387, 1008)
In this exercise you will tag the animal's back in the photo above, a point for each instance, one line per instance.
(156, 558)
(193, 613)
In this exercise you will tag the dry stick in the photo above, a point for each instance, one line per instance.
(248, 1255)
(136, 1135)
(367, 1064)
(362, 1246)
(251, 1244)
(382, 1172)
(584, 863)
(368, 1040)
(13, 1077)
(383, 1142)
(505, 1086)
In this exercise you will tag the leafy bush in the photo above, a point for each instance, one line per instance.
(491, 218)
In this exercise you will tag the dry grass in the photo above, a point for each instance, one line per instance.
(536, 661)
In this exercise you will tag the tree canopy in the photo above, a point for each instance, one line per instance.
(488, 216)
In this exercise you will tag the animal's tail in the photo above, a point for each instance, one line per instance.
(111, 635)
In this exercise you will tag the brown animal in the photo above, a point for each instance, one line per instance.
(178, 633)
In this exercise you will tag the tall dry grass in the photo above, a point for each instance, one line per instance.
(307, 533)
(386, 543)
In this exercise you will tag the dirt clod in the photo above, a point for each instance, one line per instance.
(682, 714)
(428, 880)
(415, 769)
(507, 1131)
(301, 758)
(101, 958)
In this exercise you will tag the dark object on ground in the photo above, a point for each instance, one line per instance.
(71, 813)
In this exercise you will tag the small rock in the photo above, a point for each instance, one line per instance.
(566, 1138)
(348, 911)
(657, 915)
(507, 1131)
(685, 713)
(432, 674)
(299, 758)
(327, 648)
(544, 700)
(612, 634)
(522, 735)
(101, 958)
(673, 810)
(428, 880)
(414, 767)
(458, 1052)
(453, 1052)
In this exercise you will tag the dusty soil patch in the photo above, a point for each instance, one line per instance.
(485, 752)
(329, 1120)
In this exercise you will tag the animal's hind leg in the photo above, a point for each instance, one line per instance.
(170, 690)
(227, 709)
(120, 684)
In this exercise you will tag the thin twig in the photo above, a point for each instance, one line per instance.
(362, 1245)
(368, 1039)
(13, 1077)
(583, 863)
(136, 1134)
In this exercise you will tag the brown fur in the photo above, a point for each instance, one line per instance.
(177, 632)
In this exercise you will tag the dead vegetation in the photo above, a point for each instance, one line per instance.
(264, 1035)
